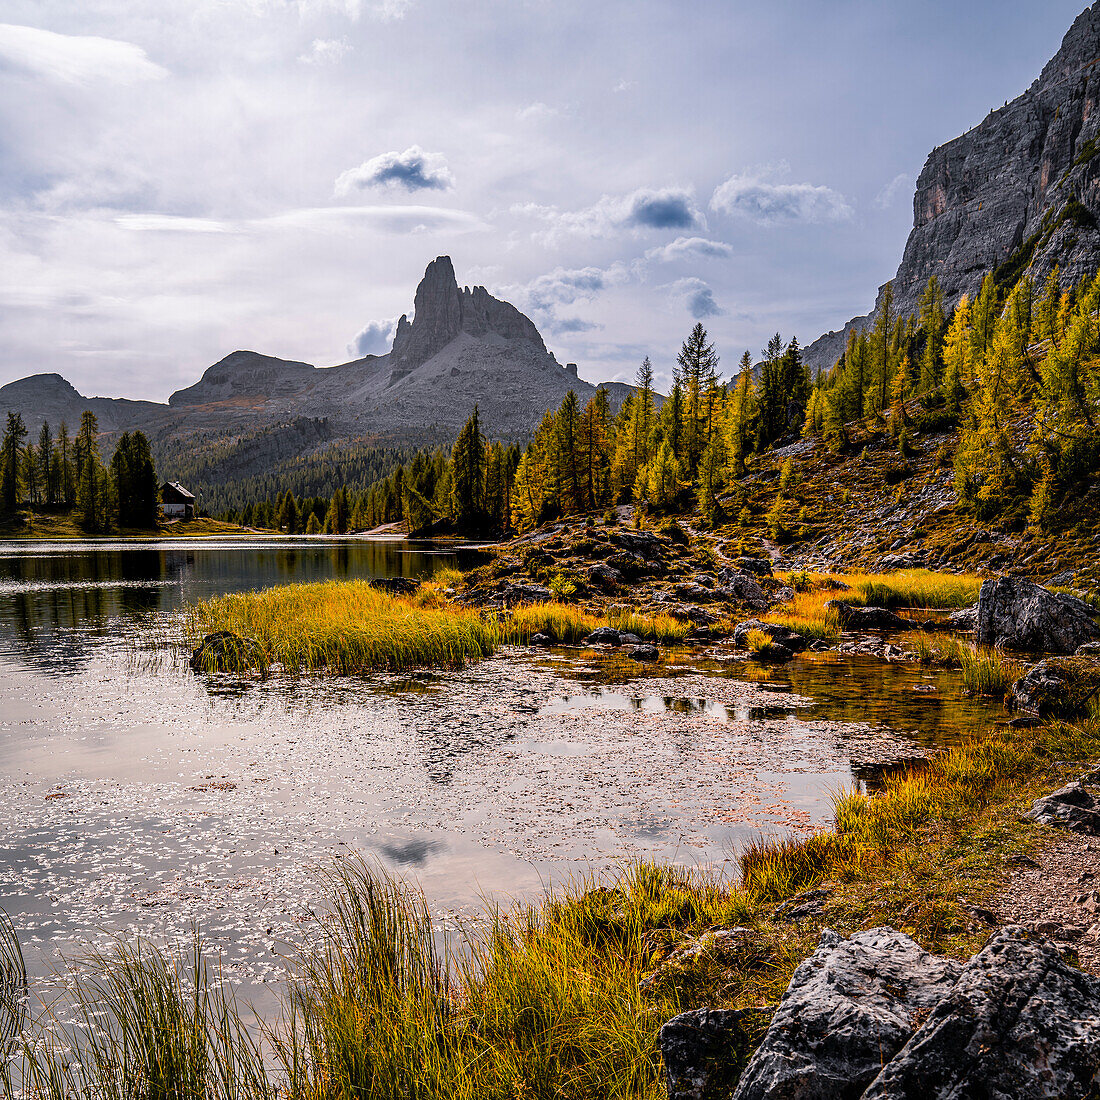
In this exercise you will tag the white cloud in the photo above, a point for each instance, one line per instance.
(383, 10)
(626, 86)
(171, 223)
(412, 170)
(901, 186)
(374, 338)
(697, 296)
(689, 248)
(390, 219)
(326, 51)
(756, 196)
(535, 112)
(75, 59)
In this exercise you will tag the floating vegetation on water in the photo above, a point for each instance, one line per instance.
(985, 670)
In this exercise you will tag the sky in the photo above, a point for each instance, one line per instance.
(183, 178)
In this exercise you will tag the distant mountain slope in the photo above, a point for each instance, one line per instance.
(1019, 192)
(462, 347)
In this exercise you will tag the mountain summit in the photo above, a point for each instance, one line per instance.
(1019, 192)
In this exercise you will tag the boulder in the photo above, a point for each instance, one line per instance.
(605, 576)
(1019, 1024)
(603, 635)
(1089, 649)
(741, 588)
(224, 651)
(762, 567)
(703, 1051)
(645, 544)
(525, 593)
(1059, 687)
(854, 617)
(966, 618)
(696, 593)
(781, 635)
(644, 653)
(849, 1008)
(1075, 807)
(542, 640)
(1016, 614)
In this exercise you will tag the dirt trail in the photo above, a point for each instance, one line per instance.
(1043, 895)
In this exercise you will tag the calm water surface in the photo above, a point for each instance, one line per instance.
(138, 797)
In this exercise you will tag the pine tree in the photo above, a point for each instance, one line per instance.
(698, 365)
(933, 325)
(46, 464)
(468, 471)
(743, 413)
(772, 402)
(11, 454)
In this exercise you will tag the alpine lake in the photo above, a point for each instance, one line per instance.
(140, 798)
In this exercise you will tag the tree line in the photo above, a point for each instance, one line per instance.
(63, 472)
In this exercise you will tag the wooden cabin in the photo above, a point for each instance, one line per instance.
(176, 502)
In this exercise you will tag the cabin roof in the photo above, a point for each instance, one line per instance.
(175, 489)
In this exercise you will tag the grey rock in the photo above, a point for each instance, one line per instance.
(542, 640)
(966, 618)
(781, 635)
(762, 567)
(695, 592)
(1016, 614)
(1060, 687)
(525, 593)
(1020, 188)
(603, 635)
(1019, 1024)
(643, 543)
(1089, 649)
(396, 586)
(742, 588)
(703, 1051)
(848, 1009)
(605, 576)
(644, 654)
(810, 903)
(854, 617)
(1074, 807)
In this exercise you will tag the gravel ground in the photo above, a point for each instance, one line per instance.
(1058, 895)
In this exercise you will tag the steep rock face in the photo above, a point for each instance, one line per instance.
(442, 312)
(1019, 192)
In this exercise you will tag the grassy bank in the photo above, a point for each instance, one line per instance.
(50, 524)
(350, 626)
(564, 998)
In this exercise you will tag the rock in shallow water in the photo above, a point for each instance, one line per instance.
(1058, 687)
(854, 617)
(225, 651)
(1016, 614)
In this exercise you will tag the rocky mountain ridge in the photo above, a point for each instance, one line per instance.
(462, 347)
(1020, 192)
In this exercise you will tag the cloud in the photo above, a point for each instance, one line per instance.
(697, 297)
(75, 59)
(901, 185)
(326, 51)
(385, 11)
(644, 209)
(756, 196)
(688, 248)
(171, 223)
(391, 219)
(535, 112)
(564, 286)
(566, 326)
(375, 338)
(625, 86)
(412, 170)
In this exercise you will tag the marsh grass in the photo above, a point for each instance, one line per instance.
(13, 988)
(343, 627)
(570, 625)
(806, 615)
(149, 1024)
(985, 670)
(915, 588)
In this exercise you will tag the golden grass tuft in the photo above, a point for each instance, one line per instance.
(344, 627)
(985, 670)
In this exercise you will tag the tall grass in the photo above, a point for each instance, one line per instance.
(985, 670)
(806, 614)
(150, 1024)
(920, 588)
(344, 627)
(570, 625)
(13, 988)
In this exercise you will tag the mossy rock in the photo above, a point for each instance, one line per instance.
(1059, 687)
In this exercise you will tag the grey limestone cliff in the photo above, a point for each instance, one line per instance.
(1020, 192)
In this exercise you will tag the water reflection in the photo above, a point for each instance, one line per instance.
(60, 601)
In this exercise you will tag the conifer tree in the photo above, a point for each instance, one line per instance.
(468, 474)
(11, 462)
(933, 326)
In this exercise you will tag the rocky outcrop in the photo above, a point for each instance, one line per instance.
(1019, 1024)
(1059, 687)
(1016, 614)
(875, 1017)
(441, 312)
(1018, 193)
(781, 635)
(1075, 807)
(850, 1006)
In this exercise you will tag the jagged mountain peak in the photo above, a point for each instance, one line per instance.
(442, 312)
